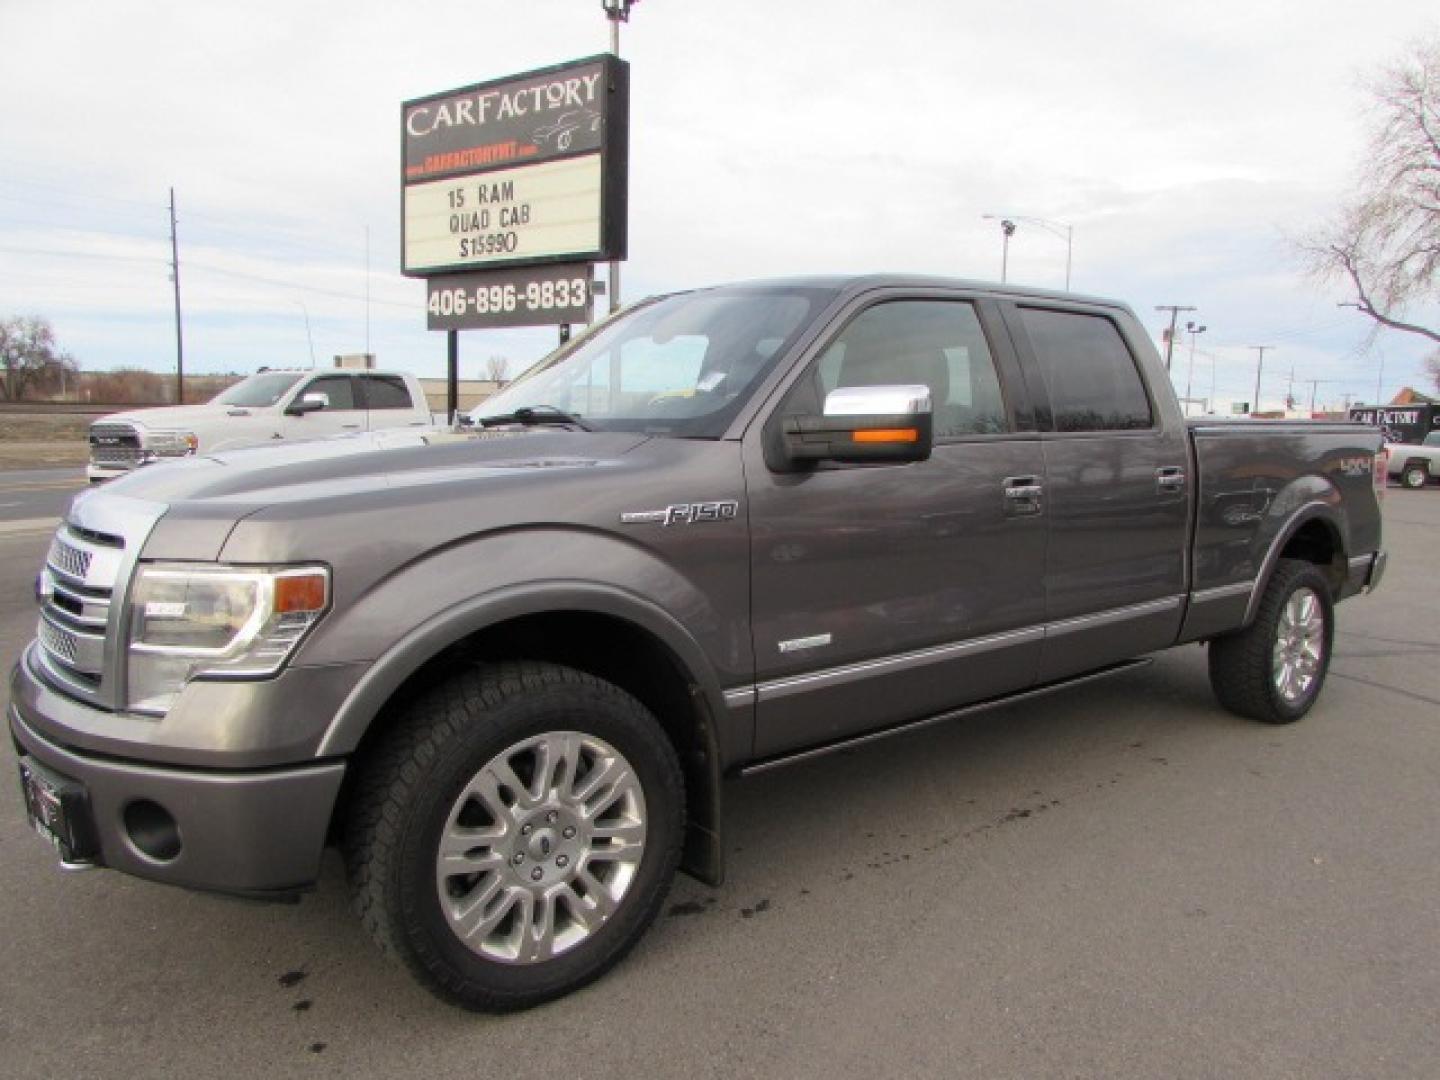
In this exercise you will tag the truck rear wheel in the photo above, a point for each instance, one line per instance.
(515, 833)
(1414, 475)
(1273, 669)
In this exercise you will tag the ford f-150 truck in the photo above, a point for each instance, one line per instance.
(264, 408)
(506, 671)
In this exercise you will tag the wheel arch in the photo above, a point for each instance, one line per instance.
(1312, 534)
(602, 630)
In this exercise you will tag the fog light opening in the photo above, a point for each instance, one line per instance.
(152, 830)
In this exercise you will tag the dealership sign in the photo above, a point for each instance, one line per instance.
(526, 170)
(553, 294)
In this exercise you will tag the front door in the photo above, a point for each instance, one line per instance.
(342, 412)
(886, 593)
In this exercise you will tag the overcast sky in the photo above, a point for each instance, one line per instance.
(1182, 142)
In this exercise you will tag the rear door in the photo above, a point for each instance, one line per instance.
(387, 402)
(883, 593)
(1116, 488)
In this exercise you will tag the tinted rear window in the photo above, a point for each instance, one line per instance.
(386, 392)
(1088, 371)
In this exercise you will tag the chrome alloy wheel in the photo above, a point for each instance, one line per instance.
(1299, 645)
(541, 847)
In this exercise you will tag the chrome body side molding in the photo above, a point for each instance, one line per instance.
(916, 725)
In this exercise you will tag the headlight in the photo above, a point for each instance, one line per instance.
(165, 444)
(189, 622)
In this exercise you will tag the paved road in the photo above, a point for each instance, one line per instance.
(33, 500)
(1123, 881)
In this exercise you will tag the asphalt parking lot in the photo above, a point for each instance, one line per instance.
(1120, 881)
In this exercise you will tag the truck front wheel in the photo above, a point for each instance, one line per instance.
(515, 833)
(1273, 669)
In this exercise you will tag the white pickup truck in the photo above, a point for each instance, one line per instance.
(262, 409)
(1416, 465)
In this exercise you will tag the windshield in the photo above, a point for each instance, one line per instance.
(683, 365)
(257, 391)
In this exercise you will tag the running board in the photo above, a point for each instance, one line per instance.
(917, 725)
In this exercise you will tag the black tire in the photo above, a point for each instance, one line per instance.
(407, 792)
(1241, 664)
(1415, 475)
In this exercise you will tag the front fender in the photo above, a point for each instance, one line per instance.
(443, 629)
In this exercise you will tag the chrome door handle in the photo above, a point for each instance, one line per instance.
(1023, 495)
(1170, 480)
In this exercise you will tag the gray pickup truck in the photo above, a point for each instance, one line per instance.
(507, 670)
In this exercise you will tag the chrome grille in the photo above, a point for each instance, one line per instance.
(60, 643)
(81, 572)
(70, 561)
(126, 456)
(115, 444)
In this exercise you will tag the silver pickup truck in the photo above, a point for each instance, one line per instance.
(506, 671)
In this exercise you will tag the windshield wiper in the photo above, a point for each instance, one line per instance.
(536, 414)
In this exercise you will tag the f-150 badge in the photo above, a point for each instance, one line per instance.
(684, 514)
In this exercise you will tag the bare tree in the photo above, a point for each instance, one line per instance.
(496, 368)
(1384, 243)
(32, 363)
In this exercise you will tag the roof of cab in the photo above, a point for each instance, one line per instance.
(862, 283)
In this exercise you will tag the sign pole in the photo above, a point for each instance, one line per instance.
(452, 375)
(615, 18)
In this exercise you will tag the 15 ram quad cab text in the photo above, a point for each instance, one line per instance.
(265, 408)
(507, 670)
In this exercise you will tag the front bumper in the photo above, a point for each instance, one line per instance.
(254, 832)
(97, 474)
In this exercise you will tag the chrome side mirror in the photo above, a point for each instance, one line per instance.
(863, 424)
(309, 403)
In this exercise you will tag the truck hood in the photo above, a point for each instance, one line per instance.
(170, 417)
(208, 495)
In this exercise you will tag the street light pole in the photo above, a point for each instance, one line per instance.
(1195, 331)
(179, 335)
(308, 335)
(1058, 228)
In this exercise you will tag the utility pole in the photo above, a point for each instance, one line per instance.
(1315, 385)
(617, 11)
(179, 336)
(1259, 367)
(1174, 310)
(367, 302)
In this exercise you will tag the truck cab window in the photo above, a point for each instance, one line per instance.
(1092, 379)
(935, 342)
(338, 388)
(386, 392)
